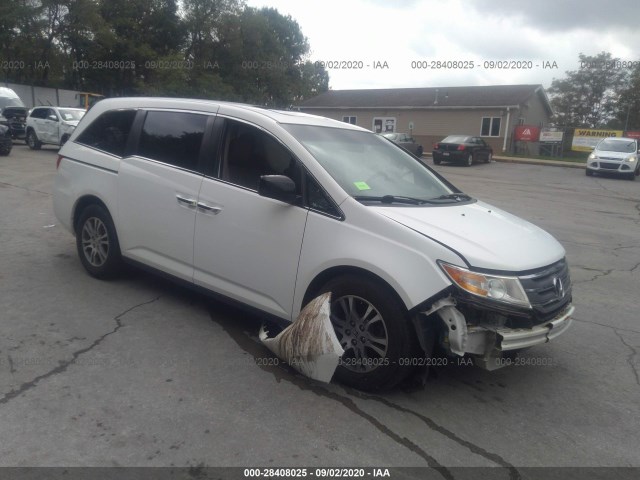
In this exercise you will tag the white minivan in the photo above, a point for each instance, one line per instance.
(272, 208)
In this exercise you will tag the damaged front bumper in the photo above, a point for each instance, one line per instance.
(487, 343)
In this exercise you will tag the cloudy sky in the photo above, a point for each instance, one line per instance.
(526, 34)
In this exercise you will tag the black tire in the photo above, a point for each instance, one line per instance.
(588, 173)
(469, 160)
(32, 140)
(6, 149)
(631, 176)
(419, 152)
(97, 243)
(375, 331)
(64, 139)
(436, 161)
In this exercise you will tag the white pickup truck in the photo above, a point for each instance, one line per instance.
(53, 125)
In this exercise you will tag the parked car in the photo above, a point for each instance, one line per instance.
(12, 112)
(5, 140)
(405, 141)
(271, 209)
(462, 149)
(615, 155)
(52, 125)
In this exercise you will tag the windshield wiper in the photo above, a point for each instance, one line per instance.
(458, 197)
(392, 199)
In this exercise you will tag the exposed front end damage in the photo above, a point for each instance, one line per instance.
(468, 321)
(487, 337)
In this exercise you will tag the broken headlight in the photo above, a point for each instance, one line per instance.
(491, 287)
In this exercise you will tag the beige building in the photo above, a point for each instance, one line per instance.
(430, 114)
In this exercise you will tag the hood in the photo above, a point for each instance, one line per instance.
(608, 155)
(485, 236)
(13, 112)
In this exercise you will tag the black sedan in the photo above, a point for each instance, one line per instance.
(462, 149)
(5, 140)
(405, 141)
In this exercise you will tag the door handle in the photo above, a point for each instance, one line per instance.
(208, 208)
(187, 202)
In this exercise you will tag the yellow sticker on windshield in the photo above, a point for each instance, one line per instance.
(362, 185)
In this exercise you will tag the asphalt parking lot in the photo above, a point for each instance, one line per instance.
(138, 372)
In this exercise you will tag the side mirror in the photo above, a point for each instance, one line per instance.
(278, 187)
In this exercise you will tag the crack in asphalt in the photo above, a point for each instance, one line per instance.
(634, 353)
(605, 325)
(48, 194)
(514, 474)
(251, 345)
(64, 365)
(601, 272)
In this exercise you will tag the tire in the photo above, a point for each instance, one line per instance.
(97, 243)
(489, 158)
(419, 152)
(5, 149)
(588, 173)
(469, 161)
(436, 161)
(32, 140)
(631, 176)
(371, 325)
(63, 140)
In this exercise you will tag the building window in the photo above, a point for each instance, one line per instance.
(490, 127)
(351, 120)
(521, 121)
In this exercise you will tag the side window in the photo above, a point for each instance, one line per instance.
(109, 132)
(39, 112)
(248, 153)
(173, 137)
(318, 200)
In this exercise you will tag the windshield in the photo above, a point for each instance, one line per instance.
(10, 102)
(455, 139)
(617, 145)
(367, 166)
(71, 115)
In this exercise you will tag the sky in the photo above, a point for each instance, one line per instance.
(433, 43)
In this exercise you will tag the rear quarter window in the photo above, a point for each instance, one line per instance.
(109, 132)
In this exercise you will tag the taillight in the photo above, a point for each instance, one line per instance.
(460, 147)
(58, 161)
(436, 146)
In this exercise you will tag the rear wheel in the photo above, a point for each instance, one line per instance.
(419, 152)
(32, 140)
(436, 161)
(97, 242)
(375, 332)
(6, 148)
(469, 160)
(588, 173)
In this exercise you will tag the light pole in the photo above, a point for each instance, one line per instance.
(626, 123)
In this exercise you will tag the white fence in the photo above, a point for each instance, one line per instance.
(36, 96)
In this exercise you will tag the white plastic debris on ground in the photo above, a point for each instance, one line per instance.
(309, 344)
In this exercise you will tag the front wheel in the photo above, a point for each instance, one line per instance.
(375, 332)
(97, 243)
(32, 141)
(588, 173)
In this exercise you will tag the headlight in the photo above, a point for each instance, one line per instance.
(592, 156)
(491, 287)
(631, 158)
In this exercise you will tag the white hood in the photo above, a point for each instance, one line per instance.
(485, 236)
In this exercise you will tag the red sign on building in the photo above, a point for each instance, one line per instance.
(527, 133)
(632, 134)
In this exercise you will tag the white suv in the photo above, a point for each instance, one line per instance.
(53, 125)
(272, 208)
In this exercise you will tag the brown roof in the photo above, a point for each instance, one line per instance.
(440, 97)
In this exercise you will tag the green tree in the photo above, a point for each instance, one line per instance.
(628, 112)
(588, 97)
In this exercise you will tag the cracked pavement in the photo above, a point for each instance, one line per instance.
(139, 372)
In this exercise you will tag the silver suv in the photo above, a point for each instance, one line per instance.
(616, 155)
(53, 125)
